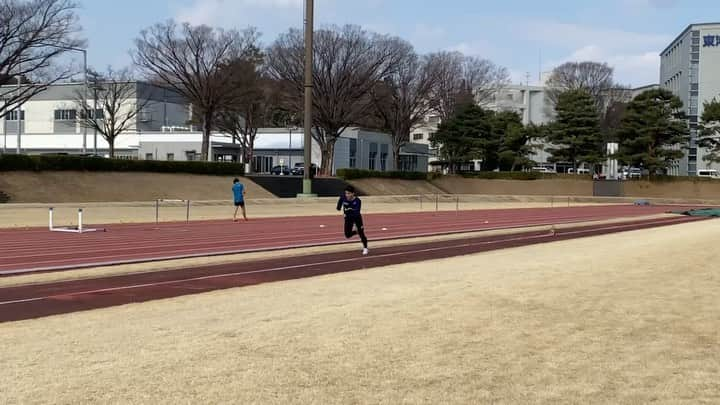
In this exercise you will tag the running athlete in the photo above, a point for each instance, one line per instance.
(239, 197)
(350, 205)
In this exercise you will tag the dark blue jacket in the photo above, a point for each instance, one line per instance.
(351, 209)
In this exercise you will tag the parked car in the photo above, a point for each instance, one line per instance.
(542, 170)
(709, 173)
(634, 173)
(579, 171)
(299, 169)
(280, 171)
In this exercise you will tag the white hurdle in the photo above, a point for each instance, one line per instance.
(71, 229)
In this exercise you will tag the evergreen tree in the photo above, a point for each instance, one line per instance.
(575, 135)
(514, 149)
(710, 131)
(465, 137)
(652, 130)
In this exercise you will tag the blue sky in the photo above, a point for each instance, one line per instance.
(628, 34)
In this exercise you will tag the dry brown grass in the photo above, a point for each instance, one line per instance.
(629, 318)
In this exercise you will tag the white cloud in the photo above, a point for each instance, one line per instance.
(630, 68)
(633, 55)
(651, 3)
(239, 12)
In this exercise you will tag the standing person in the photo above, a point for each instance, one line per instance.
(239, 198)
(350, 204)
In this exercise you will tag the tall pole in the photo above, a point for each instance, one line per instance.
(290, 149)
(95, 118)
(307, 182)
(17, 112)
(85, 96)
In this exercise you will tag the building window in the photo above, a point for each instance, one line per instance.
(696, 41)
(695, 56)
(696, 48)
(190, 155)
(148, 156)
(94, 114)
(383, 156)
(353, 154)
(408, 163)
(144, 116)
(372, 156)
(12, 115)
(417, 137)
(434, 120)
(170, 156)
(65, 115)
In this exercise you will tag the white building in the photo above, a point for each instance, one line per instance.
(533, 106)
(48, 124)
(356, 148)
(689, 68)
(48, 121)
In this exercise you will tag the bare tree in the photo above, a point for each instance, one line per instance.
(190, 60)
(348, 63)
(465, 80)
(33, 36)
(593, 77)
(254, 106)
(115, 106)
(405, 97)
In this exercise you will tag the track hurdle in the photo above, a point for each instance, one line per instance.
(71, 229)
(160, 201)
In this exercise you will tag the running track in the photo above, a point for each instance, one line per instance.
(33, 250)
(38, 300)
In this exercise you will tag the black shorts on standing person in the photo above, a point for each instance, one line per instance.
(350, 205)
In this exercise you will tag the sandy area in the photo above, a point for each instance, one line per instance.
(25, 215)
(628, 318)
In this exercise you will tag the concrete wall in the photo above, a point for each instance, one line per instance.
(559, 187)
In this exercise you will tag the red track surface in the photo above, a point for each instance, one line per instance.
(40, 250)
(37, 300)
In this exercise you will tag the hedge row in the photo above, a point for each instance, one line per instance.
(354, 174)
(95, 164)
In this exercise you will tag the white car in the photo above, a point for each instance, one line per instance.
(542, 170)
(709, 173)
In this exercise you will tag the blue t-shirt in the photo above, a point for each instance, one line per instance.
(238, 189)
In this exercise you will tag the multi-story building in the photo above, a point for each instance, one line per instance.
(688, 68)
(48, 121)
(533, 106)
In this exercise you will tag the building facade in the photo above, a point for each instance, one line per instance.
(533, 106)
(48, 121)
(688, 68)
(356, 148)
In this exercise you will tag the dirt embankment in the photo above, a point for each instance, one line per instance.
(701, 190)
(564, 187)
(396, 187)
(61, 187)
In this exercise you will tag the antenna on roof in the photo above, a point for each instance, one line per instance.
(540, 66)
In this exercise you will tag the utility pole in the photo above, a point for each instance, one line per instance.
(18, 116)
(85, 96)
(307, 180)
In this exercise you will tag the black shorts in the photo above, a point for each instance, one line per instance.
(239, 203)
